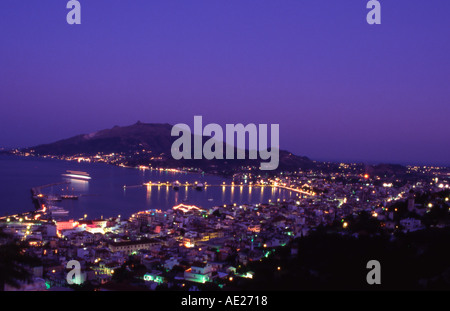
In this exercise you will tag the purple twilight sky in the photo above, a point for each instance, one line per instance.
(339, 88)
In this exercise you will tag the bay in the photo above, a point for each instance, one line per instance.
(105, 196)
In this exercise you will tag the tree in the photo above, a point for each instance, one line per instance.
(15, 262)
(122, 275)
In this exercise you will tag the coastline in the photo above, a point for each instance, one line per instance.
(36, 206)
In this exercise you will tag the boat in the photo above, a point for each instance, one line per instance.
(198, 186)
(57, 211)
(176, 185)
(60, 213)
(53, 198)
(77, 175)
(69, 197)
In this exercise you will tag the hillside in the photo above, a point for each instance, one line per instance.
(145, 143)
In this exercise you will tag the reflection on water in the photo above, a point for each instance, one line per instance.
(77, 185)
(166, 197)
(106, 195)
(149, 194)
(176, 198)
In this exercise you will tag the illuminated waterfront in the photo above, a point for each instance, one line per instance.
(105, 195)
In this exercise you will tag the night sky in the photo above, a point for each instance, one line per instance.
(339, 88)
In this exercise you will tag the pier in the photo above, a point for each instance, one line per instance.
(234, 185)
(41, 200)
(37, 191)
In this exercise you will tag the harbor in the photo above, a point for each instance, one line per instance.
(45, 203)
(105, 194)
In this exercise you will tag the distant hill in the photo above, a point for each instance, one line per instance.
(386, 170)
(119, 139)
(143, 141)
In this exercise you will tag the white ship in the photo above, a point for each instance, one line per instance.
(77, 175)
(57, 211)
(198, 186)
(53, 198)
(176, 185)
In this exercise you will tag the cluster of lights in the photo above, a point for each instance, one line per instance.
(186, 208)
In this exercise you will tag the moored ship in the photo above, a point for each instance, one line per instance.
(198, 186)
(176, 185)
(57, 211)
(69, 197)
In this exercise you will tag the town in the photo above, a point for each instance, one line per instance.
(190, 248)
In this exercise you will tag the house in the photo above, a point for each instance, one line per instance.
(390, 225)
(170, 263)
(154, 276)
(199, 272)
(132, 246)
(411, 224)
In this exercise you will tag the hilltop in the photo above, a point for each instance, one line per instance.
(150, 144)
